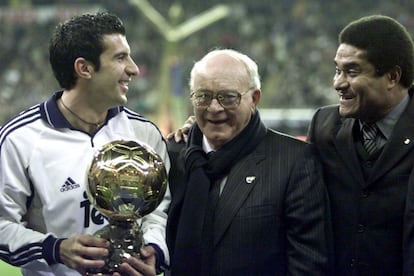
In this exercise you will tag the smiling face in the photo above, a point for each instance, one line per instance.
(111, 81)
(218, 124)
(362, 94)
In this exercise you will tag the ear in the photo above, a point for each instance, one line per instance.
(256, 95)
(83, 68)
(394, 76)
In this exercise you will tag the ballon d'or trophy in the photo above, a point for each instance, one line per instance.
(126, 181)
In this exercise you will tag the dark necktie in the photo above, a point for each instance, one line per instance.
(369, 133)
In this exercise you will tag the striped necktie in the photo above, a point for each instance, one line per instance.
(369, 133)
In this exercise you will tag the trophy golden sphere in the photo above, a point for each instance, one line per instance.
(126, 180)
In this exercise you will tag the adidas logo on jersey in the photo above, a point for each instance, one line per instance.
(70, 184)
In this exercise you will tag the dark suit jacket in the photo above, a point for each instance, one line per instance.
(409, 229)
(272, 214)
(367, 215)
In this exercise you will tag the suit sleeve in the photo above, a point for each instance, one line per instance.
(308, 219)
(408, 245)
(311, 131)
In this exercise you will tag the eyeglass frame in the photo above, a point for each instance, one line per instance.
(216, 95)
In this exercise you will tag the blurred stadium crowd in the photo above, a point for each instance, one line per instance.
(293, 41)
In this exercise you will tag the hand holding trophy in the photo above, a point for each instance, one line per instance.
(126, 181)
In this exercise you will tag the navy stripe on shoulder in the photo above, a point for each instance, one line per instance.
(26, 117)
(136, 116)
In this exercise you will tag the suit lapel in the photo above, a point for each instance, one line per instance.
(242, 178)
(399, 144)
(345, 145)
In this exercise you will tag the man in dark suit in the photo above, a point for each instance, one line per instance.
(256, 203)
(367, 177)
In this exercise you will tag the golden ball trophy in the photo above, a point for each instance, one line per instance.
(126, 181)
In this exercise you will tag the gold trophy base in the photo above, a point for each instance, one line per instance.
(125, 239)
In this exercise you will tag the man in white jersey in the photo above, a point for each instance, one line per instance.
(46, 219)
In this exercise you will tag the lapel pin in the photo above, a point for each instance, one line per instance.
(250, 179)
(407, 141)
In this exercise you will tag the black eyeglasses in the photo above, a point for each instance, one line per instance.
(226, 98)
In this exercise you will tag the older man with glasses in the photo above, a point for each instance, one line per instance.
(246, 200)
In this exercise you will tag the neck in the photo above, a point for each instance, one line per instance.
(77, 120)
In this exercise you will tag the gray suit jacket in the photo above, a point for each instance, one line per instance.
(272, 216)
(367, 214)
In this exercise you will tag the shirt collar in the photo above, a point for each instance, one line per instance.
(386, 124)
(206, 145)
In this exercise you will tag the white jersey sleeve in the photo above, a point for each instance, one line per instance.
(20, 245)
(154, 224)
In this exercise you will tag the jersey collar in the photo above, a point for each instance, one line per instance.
(53, 116)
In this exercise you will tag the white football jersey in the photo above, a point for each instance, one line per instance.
(43, 168)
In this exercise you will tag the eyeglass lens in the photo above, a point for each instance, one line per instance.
(225, 98)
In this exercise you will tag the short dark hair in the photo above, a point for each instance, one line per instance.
(80, 36)
(387, 43)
